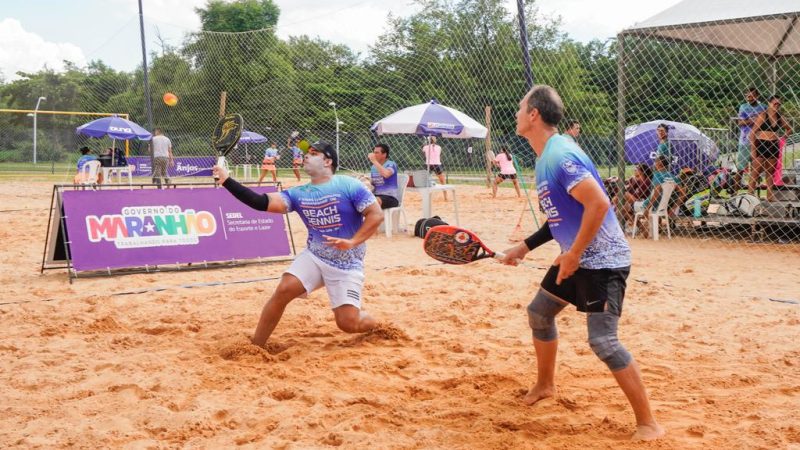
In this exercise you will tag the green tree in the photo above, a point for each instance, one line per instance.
(238, 16)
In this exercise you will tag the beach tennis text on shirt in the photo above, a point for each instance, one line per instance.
(151, 226)
(322, 212)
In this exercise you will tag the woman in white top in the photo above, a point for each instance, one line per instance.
(505, 162)
(433, 160)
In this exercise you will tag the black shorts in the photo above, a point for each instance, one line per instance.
(436, 168)
(507, 176)
(387, 201)
(590, 290)
(767, 149)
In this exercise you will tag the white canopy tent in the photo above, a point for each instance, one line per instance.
(766, 29)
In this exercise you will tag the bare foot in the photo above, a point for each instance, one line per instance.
(536, 394)
(648, 432)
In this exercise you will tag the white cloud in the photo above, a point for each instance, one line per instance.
(355, 24)
(29, 52)
(359, 23)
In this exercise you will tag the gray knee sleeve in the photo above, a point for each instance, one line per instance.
(541, 316)
(604, 342)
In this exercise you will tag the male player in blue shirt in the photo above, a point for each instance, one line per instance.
(595, 258)
(340, 214)
(383, 175)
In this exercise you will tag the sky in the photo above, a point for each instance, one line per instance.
(39, 33)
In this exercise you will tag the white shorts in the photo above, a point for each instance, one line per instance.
(344, 286)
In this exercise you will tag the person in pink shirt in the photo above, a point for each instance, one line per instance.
(505, 162)
(433, 160)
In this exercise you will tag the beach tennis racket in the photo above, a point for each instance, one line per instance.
(226, 135)
(455, 245)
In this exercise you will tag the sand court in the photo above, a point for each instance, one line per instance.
(87, 365)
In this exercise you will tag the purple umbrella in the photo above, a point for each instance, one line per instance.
(688, 145)
(114, 127)
(249, 137)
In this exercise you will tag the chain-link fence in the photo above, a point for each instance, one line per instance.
(467, 56)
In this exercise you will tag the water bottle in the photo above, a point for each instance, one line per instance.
(697, 211)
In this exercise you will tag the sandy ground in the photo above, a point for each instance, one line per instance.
(85, 365)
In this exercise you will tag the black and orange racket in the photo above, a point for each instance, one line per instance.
(226, 135)
(455, 245)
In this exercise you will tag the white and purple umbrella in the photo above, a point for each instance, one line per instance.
(430, 119)
(114, 127)
(688, 145)
(250, 137)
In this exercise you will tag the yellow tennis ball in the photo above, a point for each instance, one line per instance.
(303, 145)
(170, 99)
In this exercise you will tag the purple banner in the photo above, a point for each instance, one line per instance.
(120, 228)
(185, 166)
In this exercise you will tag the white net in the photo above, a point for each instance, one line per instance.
(466, 55)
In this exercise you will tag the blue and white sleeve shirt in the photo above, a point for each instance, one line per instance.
(559, 169)
(332, 209)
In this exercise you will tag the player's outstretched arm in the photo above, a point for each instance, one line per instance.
(272, 202)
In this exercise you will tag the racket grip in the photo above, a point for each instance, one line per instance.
(221, 163)
(499, 255)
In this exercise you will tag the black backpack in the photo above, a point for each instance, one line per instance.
(423, 225)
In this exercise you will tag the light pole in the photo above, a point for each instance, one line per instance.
(336, 116)
(34, 126)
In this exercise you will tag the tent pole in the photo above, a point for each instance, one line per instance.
(620, 119)
(620, 124)
(488, 143)
(773, 75)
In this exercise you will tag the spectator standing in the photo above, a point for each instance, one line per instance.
(161, 151)
(433, 160)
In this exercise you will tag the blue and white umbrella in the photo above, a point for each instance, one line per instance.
(250, 137)
(114, 127)
(430, 119)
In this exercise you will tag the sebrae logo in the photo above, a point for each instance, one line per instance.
(151, 226)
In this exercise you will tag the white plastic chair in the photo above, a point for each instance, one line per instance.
(120, 171)
(667, 188)
(89, 173)
(389, 214)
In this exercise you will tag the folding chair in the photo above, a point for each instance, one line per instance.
(389, 214)
(667, 188)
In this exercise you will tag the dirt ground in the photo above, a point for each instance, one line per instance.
(91, 365)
